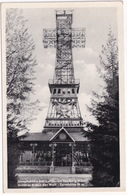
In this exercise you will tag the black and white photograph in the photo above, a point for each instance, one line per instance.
(63, 112)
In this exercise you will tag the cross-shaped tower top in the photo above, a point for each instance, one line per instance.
(64, 38)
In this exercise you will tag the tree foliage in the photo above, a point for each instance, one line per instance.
(20, 63)
(105, 136)
(13, 160)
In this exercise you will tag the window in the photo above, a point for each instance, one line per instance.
(59, 91)
(68, 91)
(73, 91)
(54, 91)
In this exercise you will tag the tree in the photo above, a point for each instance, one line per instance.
(105, 136)
(20, 63)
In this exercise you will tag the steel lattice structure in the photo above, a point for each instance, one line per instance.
(64, 108)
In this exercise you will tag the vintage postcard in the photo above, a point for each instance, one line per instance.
(63, 97)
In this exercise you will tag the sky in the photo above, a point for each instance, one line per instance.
(97, 22)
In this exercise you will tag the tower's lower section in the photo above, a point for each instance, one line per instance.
(63, 109)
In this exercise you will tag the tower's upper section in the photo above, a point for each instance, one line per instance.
(64, 72)
(64, 38)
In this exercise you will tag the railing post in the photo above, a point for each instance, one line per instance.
(33, 149)
(52, 163)
(73, 162)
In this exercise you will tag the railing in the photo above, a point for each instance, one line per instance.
(35, 163)
(66, 123)
(32, 169)
(55, 81)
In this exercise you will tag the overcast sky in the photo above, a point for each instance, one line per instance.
(97, 22)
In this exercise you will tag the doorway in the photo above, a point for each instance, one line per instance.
(63, 155)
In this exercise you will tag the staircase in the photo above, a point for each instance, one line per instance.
(62, 170)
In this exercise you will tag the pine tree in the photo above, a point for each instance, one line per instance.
(105, 136)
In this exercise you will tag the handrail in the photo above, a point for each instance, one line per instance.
(55, 81)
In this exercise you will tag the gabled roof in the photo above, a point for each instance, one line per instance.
(62, 129)
(48, 135)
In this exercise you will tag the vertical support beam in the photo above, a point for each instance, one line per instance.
(33, 153)
(33, 150)
(73, 162)
(52, 163)
(21, 157)
(72, 149)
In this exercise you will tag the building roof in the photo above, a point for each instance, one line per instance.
(69, 129)
(66, 132)
(47, 136)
